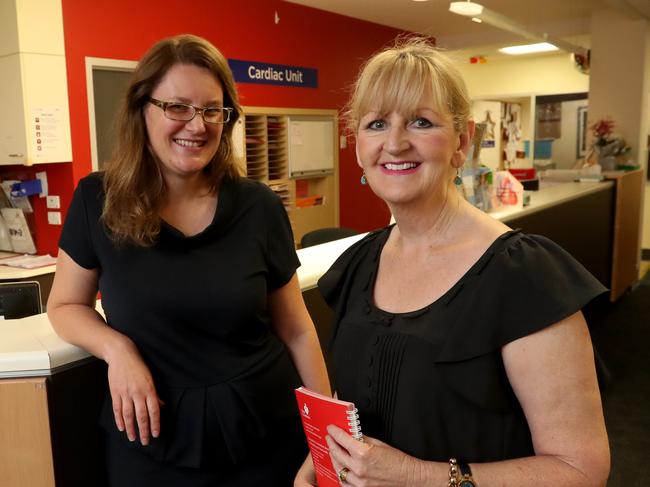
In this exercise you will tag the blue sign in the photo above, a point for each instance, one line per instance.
(273, 74)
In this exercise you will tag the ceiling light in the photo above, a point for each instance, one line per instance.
(469, 9)
(529, 48)
(481, 14)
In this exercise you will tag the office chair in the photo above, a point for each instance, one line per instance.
(19, 299)
(322, 235)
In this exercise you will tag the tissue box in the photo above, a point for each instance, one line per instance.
(524, 173)
(527, 177)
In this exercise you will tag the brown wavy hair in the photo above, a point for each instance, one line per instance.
(133, 182)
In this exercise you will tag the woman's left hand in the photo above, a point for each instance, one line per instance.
(371, 463)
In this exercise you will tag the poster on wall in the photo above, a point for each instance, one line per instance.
(47, 128)
(549, 121)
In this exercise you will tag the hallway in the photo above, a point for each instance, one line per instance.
(622, 337)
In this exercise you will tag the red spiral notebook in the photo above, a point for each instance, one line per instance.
(317, 411)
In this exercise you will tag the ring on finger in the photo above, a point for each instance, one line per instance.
(343, 474)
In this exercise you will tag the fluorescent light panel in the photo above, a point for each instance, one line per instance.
(469, 9)
(529, 48)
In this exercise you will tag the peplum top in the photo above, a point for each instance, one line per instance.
(196, 308)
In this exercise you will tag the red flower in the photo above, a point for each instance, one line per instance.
(602, 129)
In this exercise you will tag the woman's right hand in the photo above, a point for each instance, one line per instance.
(306, 477)
(133, 393)
(71, 309)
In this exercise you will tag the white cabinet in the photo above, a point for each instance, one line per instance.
(13, 142)
(35, 121)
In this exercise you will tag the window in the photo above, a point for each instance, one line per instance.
(106, 82)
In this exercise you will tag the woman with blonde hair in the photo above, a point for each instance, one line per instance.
(206, 334)
(460, 340)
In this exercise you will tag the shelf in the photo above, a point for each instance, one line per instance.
(265, 145)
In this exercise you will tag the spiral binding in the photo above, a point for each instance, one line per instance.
(354, 424)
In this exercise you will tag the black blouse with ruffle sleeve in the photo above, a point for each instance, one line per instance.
(432, 382)
(196, 308)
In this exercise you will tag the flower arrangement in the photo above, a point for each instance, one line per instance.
(602, 130)
(607, 145)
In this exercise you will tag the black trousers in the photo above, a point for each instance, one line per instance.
(274, 466)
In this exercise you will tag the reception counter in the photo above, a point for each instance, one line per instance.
(29, 347)
(46, 385)
(551, 194)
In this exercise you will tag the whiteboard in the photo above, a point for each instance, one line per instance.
(311, 145)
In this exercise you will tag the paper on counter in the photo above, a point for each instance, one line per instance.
(29, 261)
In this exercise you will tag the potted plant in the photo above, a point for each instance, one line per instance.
(607, 146)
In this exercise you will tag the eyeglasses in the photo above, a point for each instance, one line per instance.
(182, 112)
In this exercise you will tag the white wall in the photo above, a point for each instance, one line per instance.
(516, 78)
(620, 85)
(541, 75)
(620, 77)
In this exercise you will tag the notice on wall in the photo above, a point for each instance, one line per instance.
(549, 121)
(48, 134)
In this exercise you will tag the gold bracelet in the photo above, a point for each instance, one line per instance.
(453, 473)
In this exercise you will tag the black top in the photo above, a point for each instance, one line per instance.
(196, 307)
(432, 382)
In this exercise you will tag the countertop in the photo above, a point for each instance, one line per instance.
(29, 346)
(551, 194)
(8, 273)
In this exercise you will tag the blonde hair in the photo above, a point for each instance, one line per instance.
(133, 182)
(396, 78)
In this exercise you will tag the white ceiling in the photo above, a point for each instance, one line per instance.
(565, 19)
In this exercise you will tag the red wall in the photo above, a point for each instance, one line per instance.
(244, 29)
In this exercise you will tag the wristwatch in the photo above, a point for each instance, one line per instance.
(465, 479)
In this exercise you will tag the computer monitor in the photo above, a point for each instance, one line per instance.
(19, 299)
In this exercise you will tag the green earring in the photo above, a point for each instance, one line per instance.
(364, 181)
(458, 180)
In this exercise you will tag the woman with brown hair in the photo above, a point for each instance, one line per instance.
(460, 341)
(206, 334)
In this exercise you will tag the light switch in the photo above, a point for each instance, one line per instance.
(53, 202)
(54, 217)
